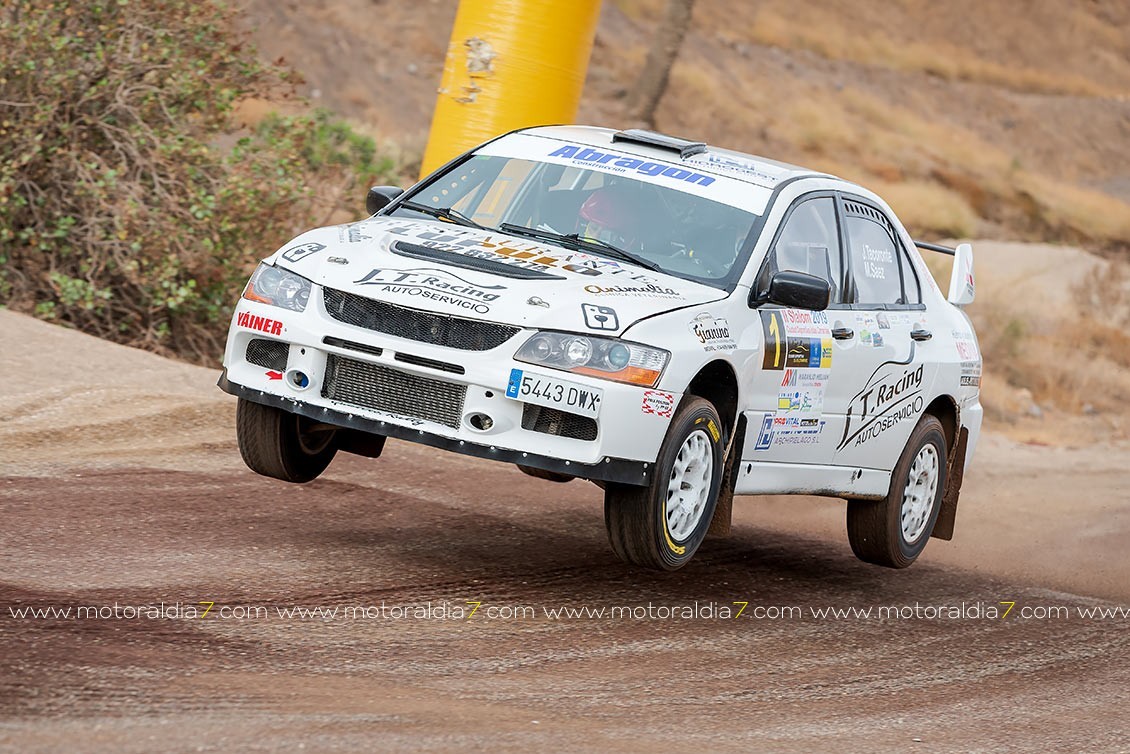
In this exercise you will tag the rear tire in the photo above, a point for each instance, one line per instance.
(662, 524)
(282, 445)
(893, 532)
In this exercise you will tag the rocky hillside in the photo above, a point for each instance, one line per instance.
(1008, 119)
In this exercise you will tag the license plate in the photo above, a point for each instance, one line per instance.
(550, 391)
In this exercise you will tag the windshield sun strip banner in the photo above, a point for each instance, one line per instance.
(680, 177)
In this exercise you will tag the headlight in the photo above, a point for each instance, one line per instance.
(278, 287)
(597, 357)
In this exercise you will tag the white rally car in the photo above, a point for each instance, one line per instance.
(675, 322)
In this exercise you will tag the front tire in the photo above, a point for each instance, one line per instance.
(893, 532)
(283, 445)
(662, 524)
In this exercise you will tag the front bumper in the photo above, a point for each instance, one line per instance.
(621, 443)
(619, 470)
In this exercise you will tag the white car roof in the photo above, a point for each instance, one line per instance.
(759, 171)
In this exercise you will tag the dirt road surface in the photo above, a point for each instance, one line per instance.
(120, 485)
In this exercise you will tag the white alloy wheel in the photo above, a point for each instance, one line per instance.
(662, 523)
(688, 489)
(918, 497)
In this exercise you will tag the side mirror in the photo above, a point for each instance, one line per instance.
(379, 197)
(962, 288)
(796, 290)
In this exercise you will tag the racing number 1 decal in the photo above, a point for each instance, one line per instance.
(794, 338)
(775, 343)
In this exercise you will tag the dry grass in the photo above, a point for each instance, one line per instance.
(941, 179)
(1072, 358)
(1075, 211)
(944, 175)
(1107, 290)
(640, 10)
(1030, 367)
(929, 208)
(823, 34)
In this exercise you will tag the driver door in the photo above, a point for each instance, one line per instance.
(787, 421)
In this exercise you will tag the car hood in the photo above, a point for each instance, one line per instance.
(486, 275)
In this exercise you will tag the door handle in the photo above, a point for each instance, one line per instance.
(921, 334)
(843, 333)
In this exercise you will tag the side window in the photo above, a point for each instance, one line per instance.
(910, 282)
(876, 264)
(809, 242)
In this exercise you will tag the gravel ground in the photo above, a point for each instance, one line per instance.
(120, 485)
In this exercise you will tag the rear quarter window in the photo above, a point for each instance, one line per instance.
(881, 269)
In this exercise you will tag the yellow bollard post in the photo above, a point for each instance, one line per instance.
(510, 64)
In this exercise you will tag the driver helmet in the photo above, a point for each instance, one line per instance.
(611, 214)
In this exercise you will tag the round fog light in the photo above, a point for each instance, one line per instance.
(480, 421)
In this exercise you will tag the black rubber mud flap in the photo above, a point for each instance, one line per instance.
(360, 443)
(723, 518)
(943, 528)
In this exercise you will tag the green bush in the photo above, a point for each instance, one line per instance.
(122, 212)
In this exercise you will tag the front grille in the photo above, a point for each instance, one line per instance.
(382, 389)
(552, 421)
(271, 354)
(420, 361)
(426, 327)
(342, 343)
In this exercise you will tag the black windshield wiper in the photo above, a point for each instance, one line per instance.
(577, 241)
(615, 251)
(444, 213)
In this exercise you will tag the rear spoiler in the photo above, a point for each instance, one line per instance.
(962, 288)
(936, 247)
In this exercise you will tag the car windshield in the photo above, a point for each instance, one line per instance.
(658, 218)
